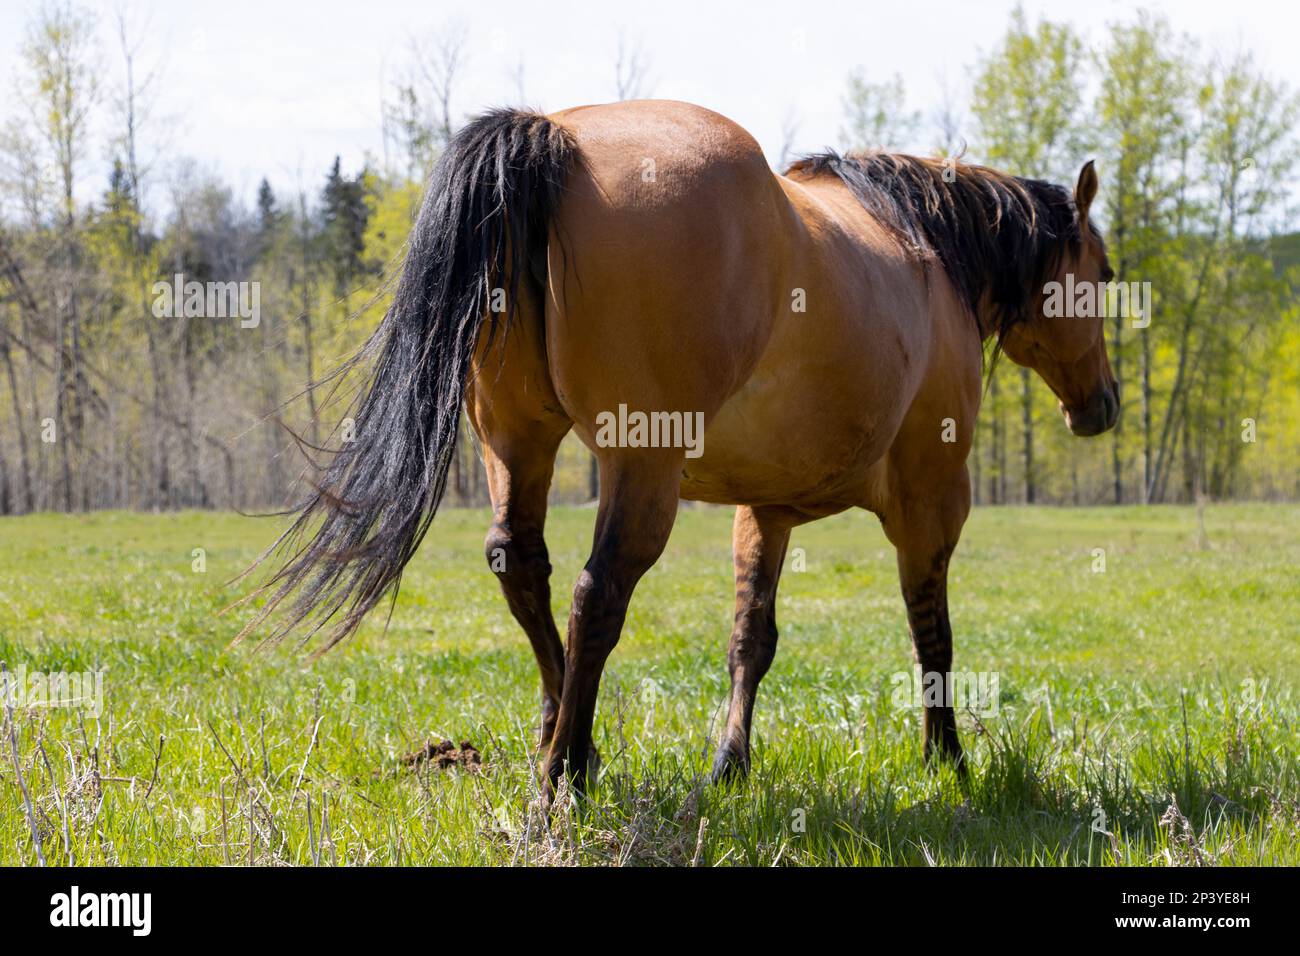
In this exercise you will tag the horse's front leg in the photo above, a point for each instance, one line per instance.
(759, 538)
(925, 530)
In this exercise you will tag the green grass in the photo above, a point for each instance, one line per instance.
(1156, 701)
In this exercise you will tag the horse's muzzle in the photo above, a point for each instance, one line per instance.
(1099, 414)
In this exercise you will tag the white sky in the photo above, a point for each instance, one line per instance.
(260, 87)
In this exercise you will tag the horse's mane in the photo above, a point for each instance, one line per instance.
(998, 237)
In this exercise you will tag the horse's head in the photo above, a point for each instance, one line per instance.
(1064, 338)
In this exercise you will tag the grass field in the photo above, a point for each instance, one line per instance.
(1147, 714)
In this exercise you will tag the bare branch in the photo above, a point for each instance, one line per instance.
(631, 71)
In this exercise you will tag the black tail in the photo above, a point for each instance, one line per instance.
(486, 213)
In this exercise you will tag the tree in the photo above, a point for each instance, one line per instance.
(343, 227)
(876, 114)
(1232, 317)
(133, 108)
(62, 88)
(1143, 134)
(1026, 104)
(423, 124)
(789, 131)
(631, 71)
(947, 121)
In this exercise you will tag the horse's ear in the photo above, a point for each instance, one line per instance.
(1085, 190)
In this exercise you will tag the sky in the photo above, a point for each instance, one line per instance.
(253, 88)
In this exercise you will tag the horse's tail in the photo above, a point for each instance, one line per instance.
(485, 217)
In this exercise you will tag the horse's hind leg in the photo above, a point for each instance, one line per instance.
(759, 539)
(516, 552)
(638, 504)
(520, 431)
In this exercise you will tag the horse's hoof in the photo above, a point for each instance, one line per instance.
(729, 765)
(551, 775)
(935, 758)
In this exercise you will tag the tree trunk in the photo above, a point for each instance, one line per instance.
(20, 432)
(1027, 426)
(197, 493)
(308, 344)
(994, 441)
(1146, 417)
(1117, 466)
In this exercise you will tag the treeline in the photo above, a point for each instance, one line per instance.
(115, 393)
(1198, 158)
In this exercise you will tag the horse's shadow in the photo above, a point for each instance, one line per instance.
(1012, 809)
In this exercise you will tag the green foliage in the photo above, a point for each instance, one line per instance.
(1027, 99)
(876, 115)
(343, 214)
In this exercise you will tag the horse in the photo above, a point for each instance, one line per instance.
(831, 325)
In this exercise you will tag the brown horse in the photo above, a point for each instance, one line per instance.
(640, 261)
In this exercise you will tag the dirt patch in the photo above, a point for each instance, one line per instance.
(445, 754)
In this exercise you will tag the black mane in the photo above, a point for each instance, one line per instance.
(999, 238)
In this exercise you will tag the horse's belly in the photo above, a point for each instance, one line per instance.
(804, 440)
